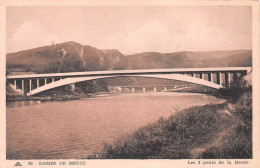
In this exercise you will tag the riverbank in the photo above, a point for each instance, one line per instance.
(56, 97)
(43, 99)
(210, 131)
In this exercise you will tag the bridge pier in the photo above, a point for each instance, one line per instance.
(38, 83)
(30, 85)
(15, 84)
(211, 77)
(238, 74)
(52, 80)
(165, 88)
(133, 90)
(72, 87)
(201, 75)
(227, 79)
(143, 89)
(45, 81)
(22, 86)
(154, 89)
(220, 79)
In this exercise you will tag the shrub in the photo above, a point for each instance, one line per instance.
(233, 92)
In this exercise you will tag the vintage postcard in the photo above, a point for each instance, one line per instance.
(129, 84)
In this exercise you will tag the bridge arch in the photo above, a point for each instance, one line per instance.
(71, 80)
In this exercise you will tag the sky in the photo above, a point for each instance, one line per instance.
(131, 29)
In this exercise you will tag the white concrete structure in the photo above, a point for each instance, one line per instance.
(154, 89)
(174, 74)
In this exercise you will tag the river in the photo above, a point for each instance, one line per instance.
(78, 128)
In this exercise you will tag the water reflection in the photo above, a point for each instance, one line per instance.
(22, 103)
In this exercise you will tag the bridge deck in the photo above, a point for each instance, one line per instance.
(132, 72)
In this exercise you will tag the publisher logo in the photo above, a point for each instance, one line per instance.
(18, 164)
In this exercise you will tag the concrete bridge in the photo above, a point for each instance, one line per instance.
(152, 87)
(210, 77)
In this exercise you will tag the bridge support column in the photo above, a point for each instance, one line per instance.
(154, 89)
(37, 81)
(45, 81)
(72, 87)
(239, 74)
(165, 88)
(201, 76)
(211, 77)
(30, 85)
(133, 90)
(229, 79)
(15, 84)
(22, 86)
(220, 79)
(143, 89)
(193, 75)
(52, 80)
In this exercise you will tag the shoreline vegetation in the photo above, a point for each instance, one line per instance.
(213, 131)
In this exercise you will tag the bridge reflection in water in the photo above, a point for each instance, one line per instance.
(211, 77)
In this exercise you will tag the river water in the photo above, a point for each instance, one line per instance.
(78, 128)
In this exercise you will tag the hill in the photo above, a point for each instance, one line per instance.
(72, 57)
(193, 59)
(64, 57)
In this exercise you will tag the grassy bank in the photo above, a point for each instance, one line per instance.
(210, 131)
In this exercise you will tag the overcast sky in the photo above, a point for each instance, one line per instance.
(131, 29)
